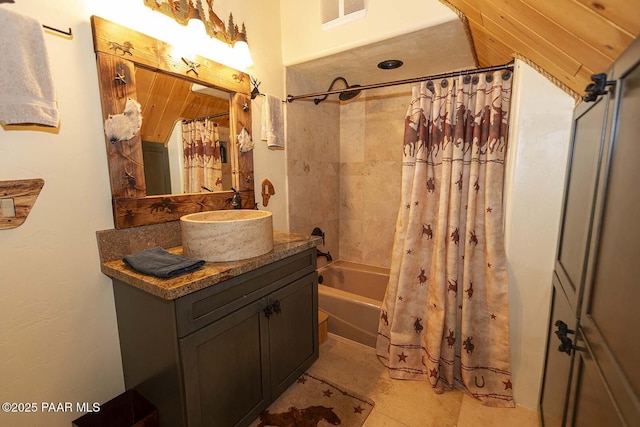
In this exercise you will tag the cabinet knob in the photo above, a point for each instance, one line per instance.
(268, 311)
(276, 306)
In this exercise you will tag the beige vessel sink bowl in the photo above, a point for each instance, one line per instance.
(227, 235)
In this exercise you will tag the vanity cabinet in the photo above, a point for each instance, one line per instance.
(221, 355)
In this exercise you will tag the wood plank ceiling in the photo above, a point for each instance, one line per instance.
(568, 39)
(166, 99)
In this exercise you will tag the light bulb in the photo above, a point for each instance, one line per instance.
(241, 52)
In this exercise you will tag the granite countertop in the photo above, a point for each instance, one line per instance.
(284, 245)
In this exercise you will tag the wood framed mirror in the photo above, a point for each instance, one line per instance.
(125, 56)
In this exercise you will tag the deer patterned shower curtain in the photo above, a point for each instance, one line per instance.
(445, 316)
(202, 162)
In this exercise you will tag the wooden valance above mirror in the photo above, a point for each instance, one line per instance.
(119, 51)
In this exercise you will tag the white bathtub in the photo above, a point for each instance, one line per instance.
(351, 294)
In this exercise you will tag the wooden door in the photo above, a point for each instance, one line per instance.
(156, 168)
(606, 387)
(293, 331)
(586, 150)
(226, 372)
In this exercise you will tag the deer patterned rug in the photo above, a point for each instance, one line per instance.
(312, 401)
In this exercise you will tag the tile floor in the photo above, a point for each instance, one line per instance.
(407, 403)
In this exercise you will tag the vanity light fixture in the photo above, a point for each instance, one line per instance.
(187, 13)
(241, 50)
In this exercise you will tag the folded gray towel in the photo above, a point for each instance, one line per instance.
(160, 263)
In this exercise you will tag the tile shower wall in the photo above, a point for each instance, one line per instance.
(313, 162)
(371, 134)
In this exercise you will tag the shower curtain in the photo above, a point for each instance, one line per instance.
(202, 163)
(445, 316)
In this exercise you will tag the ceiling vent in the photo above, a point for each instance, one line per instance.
(340, 12)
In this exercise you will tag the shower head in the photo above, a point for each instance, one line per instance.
(350, 94)
(343, 96)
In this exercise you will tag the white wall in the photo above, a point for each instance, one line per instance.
(534, 183)
(58, 333)
(58, 339)
(303, 38)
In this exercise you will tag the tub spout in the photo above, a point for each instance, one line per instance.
(327, 255)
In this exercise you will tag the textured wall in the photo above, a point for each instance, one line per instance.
(344, 163)
(313, 162)
(371, 135)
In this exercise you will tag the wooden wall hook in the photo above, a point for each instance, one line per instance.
(22, 195)
(267, 191)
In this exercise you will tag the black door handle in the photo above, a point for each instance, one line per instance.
(563, 328)
(566, 345)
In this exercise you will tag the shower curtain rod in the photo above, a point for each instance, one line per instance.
(200, 119)
(508, 66)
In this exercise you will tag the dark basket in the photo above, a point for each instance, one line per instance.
(128, 409)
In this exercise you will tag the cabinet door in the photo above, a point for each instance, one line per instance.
(225, 369)
(580, 191)
(610, 314)
(557, 373)
(293, 331)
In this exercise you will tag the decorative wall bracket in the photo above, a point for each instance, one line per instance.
(255, 83)
(267, 191)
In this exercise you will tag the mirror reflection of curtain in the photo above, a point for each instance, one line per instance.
(202, 165)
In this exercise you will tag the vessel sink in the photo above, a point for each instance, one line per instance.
(227, 235)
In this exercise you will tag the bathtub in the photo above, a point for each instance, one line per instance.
(351, 294)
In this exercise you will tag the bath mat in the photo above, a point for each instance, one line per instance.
(313, 401)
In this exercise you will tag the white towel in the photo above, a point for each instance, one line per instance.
(27, 95)
(272, 122)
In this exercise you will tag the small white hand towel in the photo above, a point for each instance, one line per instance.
(272, 122)
(27, 95)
